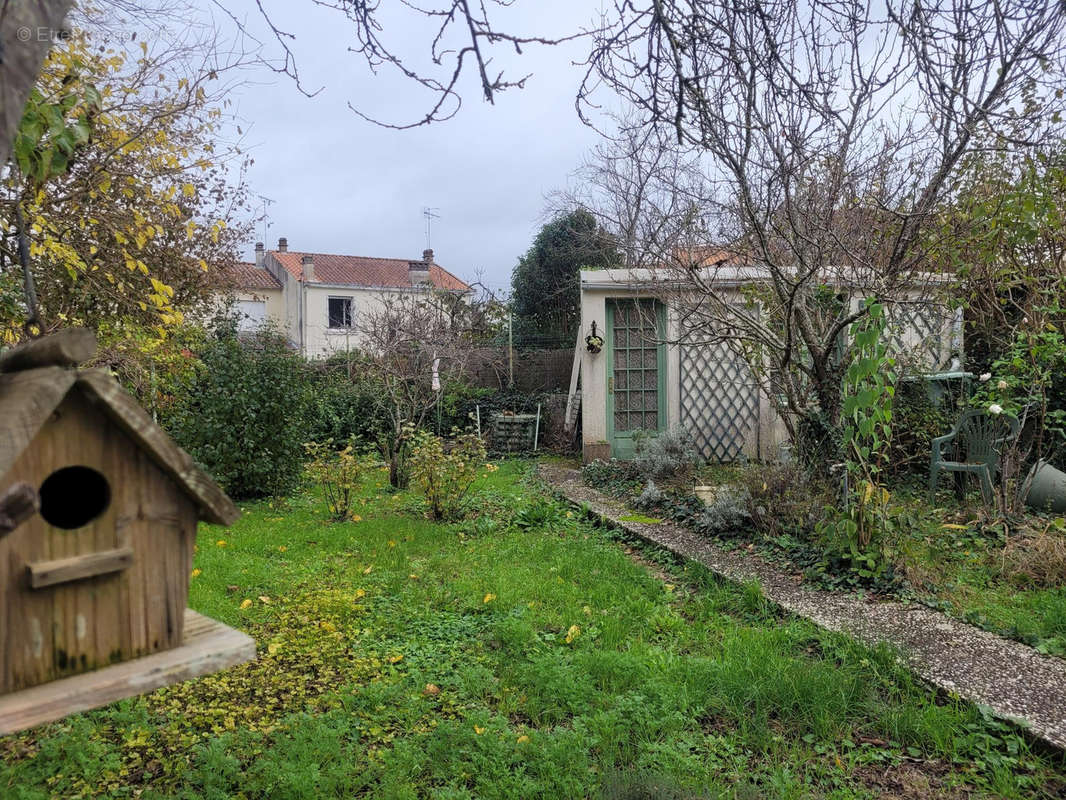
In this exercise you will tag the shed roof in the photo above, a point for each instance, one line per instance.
(28, 398)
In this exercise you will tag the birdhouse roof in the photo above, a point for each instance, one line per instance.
(29, 396)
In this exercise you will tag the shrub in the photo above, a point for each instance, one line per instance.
(671, 454)
(614, 477)
(783, 499)
(339, 473)
(652, 497)
(727, 513)
(445, 475)
(243, 414)
(344, 408)
(539, 512)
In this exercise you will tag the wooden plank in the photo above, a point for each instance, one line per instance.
(77, 568)
(65, 348)
(27, 400)
(27, 31)
(213, 502)
(17, 504)
(208, 647)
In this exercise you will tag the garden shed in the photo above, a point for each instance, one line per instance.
(95, 563)
(639, 373)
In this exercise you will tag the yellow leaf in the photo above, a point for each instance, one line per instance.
(188, 190)
(396, 659)
(951, 526)
(572, 633)
(669, 587)
(264, 599)
(368, 569)
(489, 598)
(282, 548)
(478, 730)
(246, 603)
(220, 543)
(523, 739)
(413, 577)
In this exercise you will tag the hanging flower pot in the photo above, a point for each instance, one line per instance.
(594, 342)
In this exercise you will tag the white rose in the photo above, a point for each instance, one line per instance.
(1001, 385)
(995, 408)
(986, 377)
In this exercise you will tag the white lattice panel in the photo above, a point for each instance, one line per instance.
(719, 400)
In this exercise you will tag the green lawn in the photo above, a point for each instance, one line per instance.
(523, 654)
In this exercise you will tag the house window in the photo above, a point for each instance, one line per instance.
(340, 312)
(251, 314)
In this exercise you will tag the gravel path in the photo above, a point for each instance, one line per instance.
(1008, 677)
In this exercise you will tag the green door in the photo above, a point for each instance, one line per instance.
(636, 372)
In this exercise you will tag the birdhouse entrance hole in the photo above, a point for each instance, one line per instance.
(74, 496)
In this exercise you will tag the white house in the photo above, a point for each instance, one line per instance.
(318, 299)
(645, 379)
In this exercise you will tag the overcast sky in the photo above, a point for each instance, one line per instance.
(343, 185)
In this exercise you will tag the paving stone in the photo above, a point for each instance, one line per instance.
(1011, 679)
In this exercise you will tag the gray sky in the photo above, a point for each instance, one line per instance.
(343, 185)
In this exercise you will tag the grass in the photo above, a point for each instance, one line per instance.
(523, 654)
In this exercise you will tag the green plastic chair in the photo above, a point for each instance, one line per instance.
(979, 438)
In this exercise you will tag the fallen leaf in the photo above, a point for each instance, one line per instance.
(245, 603)
(282, 548)
(489, 598)
(396, 659)
(572, 633)
(478, 730)
(232, 588)
(413, 577)
(431, 690)
(368, 569)
(264, 599)
(220, 543)
(523, 739)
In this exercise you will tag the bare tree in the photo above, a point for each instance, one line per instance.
(829, 133)
(641, 186)
(415, 344)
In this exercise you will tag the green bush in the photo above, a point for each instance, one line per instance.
(243, 415)
(445, 474)
(346, 405)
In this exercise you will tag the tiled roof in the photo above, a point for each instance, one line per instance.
(248, 276)
(385, 273)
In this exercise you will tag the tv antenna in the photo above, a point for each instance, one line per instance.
(429, 212)
(265, 202)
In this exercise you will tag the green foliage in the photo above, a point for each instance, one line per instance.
(339, 473)
(398, 660)
(916, 422)
(444, 474)
(243, 414)
(861, 534)
(1028, 380)
(56, 122)
(346, 403)
(545, 294)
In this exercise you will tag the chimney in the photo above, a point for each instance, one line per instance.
(427, 256)
(283, 245)
(418, 271)
(308, 264)
(260, 255)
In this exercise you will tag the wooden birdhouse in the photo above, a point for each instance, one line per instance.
(98, 517)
